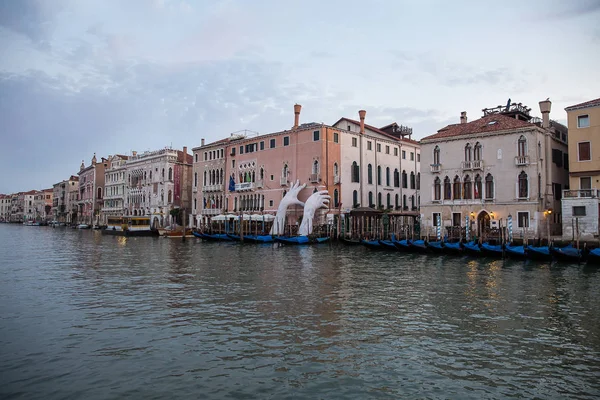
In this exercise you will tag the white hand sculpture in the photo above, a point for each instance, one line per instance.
(317, 200)
(290, 198)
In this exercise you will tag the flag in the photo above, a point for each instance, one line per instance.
(476, 190)
(231, 184)
(205, 202)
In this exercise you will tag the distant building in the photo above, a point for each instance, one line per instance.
(43, 205)
(64, 200)
(504, 163)
(91, 191)
(581, 202)
(115, 187)
(5, 206)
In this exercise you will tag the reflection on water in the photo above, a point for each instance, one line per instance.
(86, 315)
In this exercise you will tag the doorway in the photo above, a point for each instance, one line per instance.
(483, 223)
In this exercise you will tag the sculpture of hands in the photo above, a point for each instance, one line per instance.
(317, 200)
(290, 198)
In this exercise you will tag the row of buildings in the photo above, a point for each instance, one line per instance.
(507, 164)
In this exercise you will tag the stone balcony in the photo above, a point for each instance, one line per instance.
(580, 194)
(521, 160)
(436, 168)
(471, 165)
(212, 188)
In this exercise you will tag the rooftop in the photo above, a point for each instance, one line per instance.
(377, 130)
(590, 103)
(488, 123)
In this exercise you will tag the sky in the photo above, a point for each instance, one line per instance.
(79, 77)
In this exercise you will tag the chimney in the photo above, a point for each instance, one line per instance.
(82, 167)
(545, 109)
(297, 108)
(185, 150)
(202, 142)
(463, 117)
(94, 159)
(134, 153)
(362, 114)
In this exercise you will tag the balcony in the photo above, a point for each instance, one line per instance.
(436, 168)
(477, 165)
(241, 187)
(211, 211)
(580, 194)
(314, 178)
(284, 181)
(195, 189)
(336, 179)
(466, 165)
(259, 184)
(212, 188)
(521, 160)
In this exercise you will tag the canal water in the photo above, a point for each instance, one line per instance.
(87, 316)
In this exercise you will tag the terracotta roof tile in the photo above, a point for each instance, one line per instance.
(489, 123)
(591, 103)
(377, 130)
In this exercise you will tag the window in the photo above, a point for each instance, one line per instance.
(379, 147)
(404, 154)
(270, 203)
(316, 136)
(355, 199)
(523, 219)
(557, 188)
(468, 152)
(477, 187)
(477, 152)
(371, 199)
(436, 155)
(196, 157)
(286, 140)
(396, 151)
(418, 157)
(370, 174)
(489, 186)
(467, 188)
(387, 176)
(379, 174)
(232, 151)
(396, 201)
(583, 121)
(355, 172)
(456, 219)
(437, 189)
(579, 211)
(272, 143)
(523, 186)
(349, 128)
(389, 200)
(336, 171)
(241, 149)
(387, 149)
(195, 179)
(585, 183)
(369, 145)
(396, 178)
(354, 142)
(315, 169)
(418, 181)
(336, 137)
(437, 218)
(412, 180)
(566, 161)
(232, 164)
(336, 198)
(262, 145)
(412, 156)
(584, 151)
(457, 185)
(170, 174)
(170, 197)
(272, 177)
(379, 200)
(557, 157)
(522, 146)
(404, 179)
(447, 189)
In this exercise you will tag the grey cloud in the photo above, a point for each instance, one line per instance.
(575, 9)
(32, 18)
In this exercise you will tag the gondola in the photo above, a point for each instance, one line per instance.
(593, 256)
(517, 252)
(351, 242)
(492, 250)
(453, 247)
(472, 247)
(259, 238)
(213, 236)
(436, 247)
(568, 253)
(298, 240)
(403, 245)
(538, 253)
(372, 244)
(235, 238)
(387, 244)
(418, 246)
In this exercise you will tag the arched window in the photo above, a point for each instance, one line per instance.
(523, 185)
(379, 200)
(412, 180)
(467, 189)
(163, 173)
(522, 146)
(447, 189)
(261, 173)
(370, 174)
(412, 202)
(436, 155)
(99, 193)
(253, 176)
(335, 169)
(379, 174)
(489, 186)
(396, 200)
(477, 152)
(355, 174)
(371, 204)
(389, 200)
(284, 172)
(196, 200)
(170, 197)
(170, 174)
(195, 179)
(457, 194)
(404, 179)
(418, 181)
(315, 168)
(437, 189)
(150, 175)
(222, 180)
(196, 160)
(162, 196)
(477, 188)
(354, 199)
(468, 152)
(204, 182)
(387, 176)
(396, 178)
(404, 203)
(336, 198)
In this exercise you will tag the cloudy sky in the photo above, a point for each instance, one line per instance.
(108, 76)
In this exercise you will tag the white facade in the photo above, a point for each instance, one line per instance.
(115, 187)
(209, 180)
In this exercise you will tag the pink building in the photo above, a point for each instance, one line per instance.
(91, 190)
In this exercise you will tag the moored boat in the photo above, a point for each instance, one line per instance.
(453, 247)
(567, 253)
(472, 248)
(129, 226)
(418, 246)
(403, 245)
(538, 252)
(593, 256)
(492, 250)
(387, 244)
(300, 240)
(350, 242)
(258, 238)
(372, 244)
(436, 246)
(517, 252)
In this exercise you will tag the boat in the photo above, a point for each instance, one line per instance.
(83, 226)
(517, 252)
(453, 247)
(403, 244)
(372, 244)
(129, 226)
(259, 238)
(418, 246)
(235, 238)
(436, 247)
(350, 242)
(472, 247)
(492, 250)
(593, 256)
(212, 236)
(300, 240)
(538, 252)
(567, 253)
(388, 244)
(175, 233)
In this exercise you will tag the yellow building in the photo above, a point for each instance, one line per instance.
(580, 205)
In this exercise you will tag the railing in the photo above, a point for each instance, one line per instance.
(314, 178)
(211, 211)
(336, 179)
(244, 186)
(284, 181)
(477, 164)
(521, 160)
(580, 194)
(466, 165)
(212, 188)
(436, 168)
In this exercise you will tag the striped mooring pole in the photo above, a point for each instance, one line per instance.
(510, 231)
(439, 227)
(467, 227)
